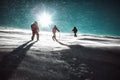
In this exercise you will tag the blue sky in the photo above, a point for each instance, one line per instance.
(89, 16)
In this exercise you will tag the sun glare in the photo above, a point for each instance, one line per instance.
(45, 19)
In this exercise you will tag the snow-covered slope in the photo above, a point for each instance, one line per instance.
(86, 57)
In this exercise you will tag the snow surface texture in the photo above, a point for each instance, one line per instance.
(86, 57)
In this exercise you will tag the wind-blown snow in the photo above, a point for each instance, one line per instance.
(69, 58)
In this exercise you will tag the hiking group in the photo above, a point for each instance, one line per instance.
(35, 31)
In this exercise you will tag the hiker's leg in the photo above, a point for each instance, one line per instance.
(33, 35)
(37, 35)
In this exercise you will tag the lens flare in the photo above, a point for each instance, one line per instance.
(45, 19)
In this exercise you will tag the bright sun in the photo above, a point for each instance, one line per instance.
(45, 19)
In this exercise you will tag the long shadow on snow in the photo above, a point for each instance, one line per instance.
(90, 63)
(10, 62)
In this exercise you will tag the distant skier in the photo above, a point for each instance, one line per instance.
(75, 31)
(54, 32)
(35, 30)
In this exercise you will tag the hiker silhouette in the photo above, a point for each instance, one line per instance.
(75, 31)
(35, 30)
(54, 32)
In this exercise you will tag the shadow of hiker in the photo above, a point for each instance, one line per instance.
(10, 62)
(60, 42)
(86, 63)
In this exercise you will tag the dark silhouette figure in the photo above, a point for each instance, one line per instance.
(35, 30)
(75, 31)
(10, 62)
(54, 32)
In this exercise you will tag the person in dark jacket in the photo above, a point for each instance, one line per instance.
(75, 31)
